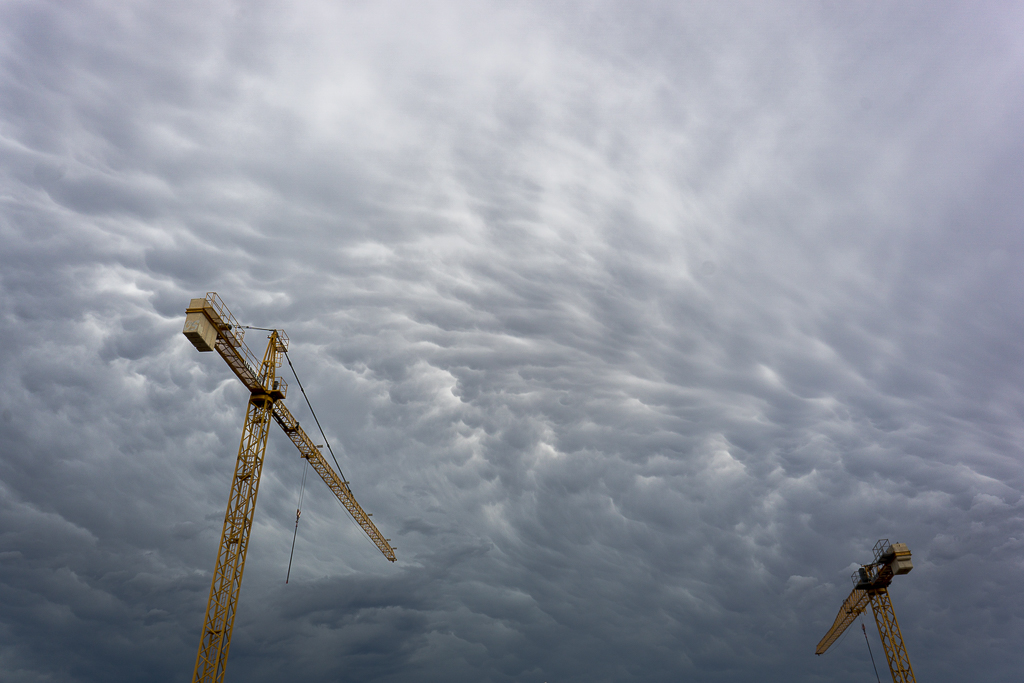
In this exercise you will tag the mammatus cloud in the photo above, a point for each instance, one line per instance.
(635, 328)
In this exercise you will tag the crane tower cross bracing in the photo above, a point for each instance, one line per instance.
(210, 326)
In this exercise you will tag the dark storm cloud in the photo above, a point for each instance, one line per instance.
(635, 330)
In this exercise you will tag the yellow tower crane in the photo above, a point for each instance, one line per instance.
(871, 585)
(210, 326)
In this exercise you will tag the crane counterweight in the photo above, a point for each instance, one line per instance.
(200, 329)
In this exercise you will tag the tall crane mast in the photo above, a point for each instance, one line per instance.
(210, 326)
(871, 586)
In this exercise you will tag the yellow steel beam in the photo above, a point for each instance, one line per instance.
(853, 607)
(226, 584)
(308, 450)
(229, 341)
(892, 638)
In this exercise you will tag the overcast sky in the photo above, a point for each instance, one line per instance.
(635, 325)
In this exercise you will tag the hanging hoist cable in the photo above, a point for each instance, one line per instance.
(298, 513)
(870, 653)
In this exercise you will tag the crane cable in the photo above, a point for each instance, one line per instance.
(328, 443)
(310, 405)
(862, 628)
(298, 513)
(303, 390)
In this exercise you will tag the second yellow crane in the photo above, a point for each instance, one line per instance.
(210, 326)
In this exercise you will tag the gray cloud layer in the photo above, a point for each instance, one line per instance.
(636, 325)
